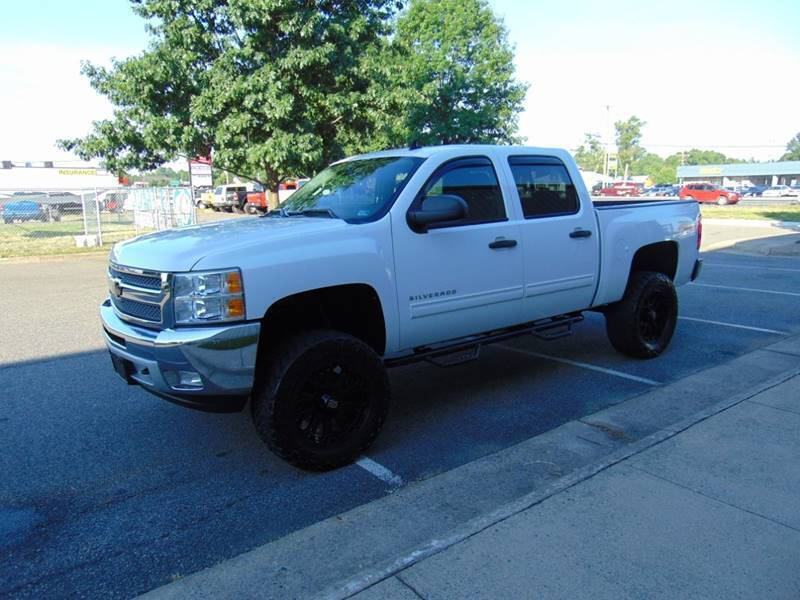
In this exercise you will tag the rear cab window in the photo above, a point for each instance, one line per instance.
(544, 186)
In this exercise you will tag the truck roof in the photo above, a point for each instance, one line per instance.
(461, 149)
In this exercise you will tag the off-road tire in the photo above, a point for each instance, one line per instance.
(632, 331)
(281, 398)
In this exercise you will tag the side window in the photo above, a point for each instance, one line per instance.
(544, 186)
(476, 183)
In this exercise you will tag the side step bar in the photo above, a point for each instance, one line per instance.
(461, 351)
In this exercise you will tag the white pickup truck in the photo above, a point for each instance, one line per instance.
(380, 260)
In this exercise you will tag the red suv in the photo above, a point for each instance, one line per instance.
(708, 192)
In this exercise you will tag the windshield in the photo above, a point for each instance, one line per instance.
(356, 191)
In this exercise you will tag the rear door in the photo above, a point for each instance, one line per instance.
(705, 193)
(559, 238)
(461, 277)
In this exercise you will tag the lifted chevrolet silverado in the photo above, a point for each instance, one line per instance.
(380, 260)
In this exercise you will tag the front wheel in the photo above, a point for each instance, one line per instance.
(322, 399)
(642, 323)
(250, 209)
(722, 200)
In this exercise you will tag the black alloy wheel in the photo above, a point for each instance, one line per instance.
(321, 399)
(643, 322)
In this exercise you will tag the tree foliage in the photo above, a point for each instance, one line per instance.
(641, 162)
(591, 155)
(629, 137)
(279, 88)
(792, 149)
(451, 77)
(274, 87)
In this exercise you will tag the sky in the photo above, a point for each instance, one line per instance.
(720, 75)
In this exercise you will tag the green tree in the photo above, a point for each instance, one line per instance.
(792, 149)
(449, 71)
(274, 88)
(629, 136)
(590, 155)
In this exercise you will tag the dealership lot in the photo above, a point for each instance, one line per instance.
(108, 492)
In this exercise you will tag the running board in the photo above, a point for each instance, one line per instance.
(465, 350)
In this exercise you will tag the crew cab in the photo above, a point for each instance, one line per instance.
(380, 260)
(708, 192)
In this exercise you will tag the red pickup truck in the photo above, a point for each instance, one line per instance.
(622, 188)
(708, 192)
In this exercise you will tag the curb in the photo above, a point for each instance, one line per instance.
(12, 260)
(371, 577)
(754, 223)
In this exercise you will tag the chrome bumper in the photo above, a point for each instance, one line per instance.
(223, 357)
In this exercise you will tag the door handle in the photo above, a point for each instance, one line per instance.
(502, 244)
(579, 233)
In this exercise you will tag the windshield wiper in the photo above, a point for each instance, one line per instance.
(313, 212)
(276, 212)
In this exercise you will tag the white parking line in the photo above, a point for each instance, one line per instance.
(575, 363)
(741, 289)
(708, 264)
(379, 471)
(748, 327)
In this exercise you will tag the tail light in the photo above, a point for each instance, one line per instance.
(699, 230)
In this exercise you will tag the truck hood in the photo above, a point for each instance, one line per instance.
(182, 248)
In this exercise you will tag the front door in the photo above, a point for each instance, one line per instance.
(461, 277)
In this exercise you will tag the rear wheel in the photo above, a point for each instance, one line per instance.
(642, 323)
(322, 400)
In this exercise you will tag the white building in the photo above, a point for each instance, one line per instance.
(48, 175)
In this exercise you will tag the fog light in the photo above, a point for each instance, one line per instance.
(189, 379)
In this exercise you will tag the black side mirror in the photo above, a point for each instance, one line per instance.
(436, 209)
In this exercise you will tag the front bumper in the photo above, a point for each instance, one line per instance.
(224, 358)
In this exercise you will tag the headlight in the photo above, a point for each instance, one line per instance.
(208, 297)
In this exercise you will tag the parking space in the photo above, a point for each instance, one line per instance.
(108, 492)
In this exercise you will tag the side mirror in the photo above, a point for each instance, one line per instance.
(437, 209)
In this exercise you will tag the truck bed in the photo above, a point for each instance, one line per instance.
(601, 203)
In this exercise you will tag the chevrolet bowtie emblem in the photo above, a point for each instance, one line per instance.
(115, 287)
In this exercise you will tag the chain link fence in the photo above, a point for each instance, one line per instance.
(47, 221)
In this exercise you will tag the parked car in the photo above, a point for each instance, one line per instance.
(795, 190)
(228, 197)
(65, 202)
(672, 191)
(622, 188)
(777, 191)
(382, 260)
(752, 190)
(708, 192)
(29, 210)
(113, 200)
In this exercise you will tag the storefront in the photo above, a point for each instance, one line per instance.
(771, 173)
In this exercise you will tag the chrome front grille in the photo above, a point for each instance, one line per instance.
(138, 310)
(152, 282)
(138, 295)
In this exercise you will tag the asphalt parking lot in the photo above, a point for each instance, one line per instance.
(109, 492)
